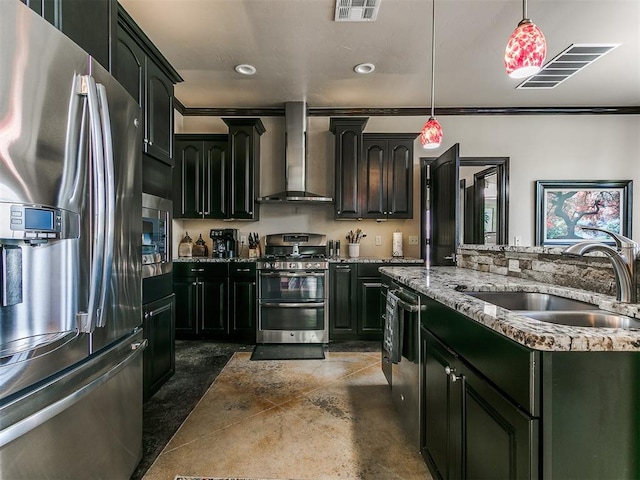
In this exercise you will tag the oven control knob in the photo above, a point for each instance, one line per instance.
(292, 264)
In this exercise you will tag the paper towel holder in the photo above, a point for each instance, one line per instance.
(396, 244)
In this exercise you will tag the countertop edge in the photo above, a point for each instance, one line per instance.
(448, 284)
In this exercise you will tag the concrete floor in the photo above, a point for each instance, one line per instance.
(294, 419)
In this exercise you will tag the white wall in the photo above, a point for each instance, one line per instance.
(540, 147)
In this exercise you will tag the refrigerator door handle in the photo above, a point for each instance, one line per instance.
(110, 202)
(87, 321)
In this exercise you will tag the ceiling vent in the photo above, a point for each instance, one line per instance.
(357, 10)
(569, 62)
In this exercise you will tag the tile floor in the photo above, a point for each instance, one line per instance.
(295, 419)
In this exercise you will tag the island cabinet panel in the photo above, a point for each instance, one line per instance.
(494, 408)
(591, 416)
(471, 430)
(348, 154)
(514, 367)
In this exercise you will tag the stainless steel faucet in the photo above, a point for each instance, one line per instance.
(623, 258)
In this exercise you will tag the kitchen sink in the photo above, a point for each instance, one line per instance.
(584, 318)
(531, 301)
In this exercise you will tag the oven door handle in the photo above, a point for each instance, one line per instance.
(292, 274)
(292, 305)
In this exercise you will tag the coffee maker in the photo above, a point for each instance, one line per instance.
(225, 242)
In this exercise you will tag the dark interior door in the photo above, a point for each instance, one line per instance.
(442, 218)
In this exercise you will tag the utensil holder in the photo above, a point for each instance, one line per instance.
(354, 250)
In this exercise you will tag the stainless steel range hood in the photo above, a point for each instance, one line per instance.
(295, 165)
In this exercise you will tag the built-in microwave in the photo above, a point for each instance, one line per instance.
(156, 235)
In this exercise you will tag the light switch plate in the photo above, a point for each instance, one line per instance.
(413, 240)
(378, 240)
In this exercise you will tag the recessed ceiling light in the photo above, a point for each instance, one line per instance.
(245, 69)
(364, 68)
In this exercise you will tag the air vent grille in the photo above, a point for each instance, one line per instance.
(566, 64)
(357, 10)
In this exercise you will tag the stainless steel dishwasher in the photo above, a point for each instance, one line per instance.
(405, 375)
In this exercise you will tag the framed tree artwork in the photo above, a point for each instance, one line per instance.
(563, 206)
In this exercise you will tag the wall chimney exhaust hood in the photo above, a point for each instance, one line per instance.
(295, 162)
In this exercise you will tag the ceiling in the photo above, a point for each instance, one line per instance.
(301, 53)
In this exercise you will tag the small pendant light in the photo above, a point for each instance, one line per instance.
(431, 134)
(526, 49)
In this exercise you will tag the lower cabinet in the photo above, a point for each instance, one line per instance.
(493, 408)
(242, 301)
(470, 429)
(201, 290)
(355, 311)
(215, 300)
(159, 357)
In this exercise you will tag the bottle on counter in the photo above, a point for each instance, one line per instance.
(185, 248)
(336, 250)
(330, 246)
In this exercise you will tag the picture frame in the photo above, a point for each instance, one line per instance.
(562, 206)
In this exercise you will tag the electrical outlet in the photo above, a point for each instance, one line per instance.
(243, 239)
(413, 240)
(378, 240)
(517, 240)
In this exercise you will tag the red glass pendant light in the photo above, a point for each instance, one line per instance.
(526, 49)
(431, 133)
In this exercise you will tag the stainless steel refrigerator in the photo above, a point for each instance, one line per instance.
(70, 259)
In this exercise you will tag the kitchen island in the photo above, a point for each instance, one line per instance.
(507, 396)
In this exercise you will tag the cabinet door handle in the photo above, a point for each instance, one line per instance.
(194, 283)
(243, 270)
(450, 373)
(197, 269)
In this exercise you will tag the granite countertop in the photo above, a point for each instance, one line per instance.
(447, 284)
(331, 260)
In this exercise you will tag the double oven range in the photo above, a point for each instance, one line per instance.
(293, 287)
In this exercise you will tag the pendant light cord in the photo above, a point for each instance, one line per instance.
(433, 57)
(524, 9)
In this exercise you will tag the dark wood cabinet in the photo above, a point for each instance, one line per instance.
(216, 300)
(348, 154)
(149, 78)
(386, 176)
(243, 179)
(216, 175)
(201, 290)
(200, 176)
(470, 429)
(159, 357)
(242, 301)
(91, 25)
(343, 307)
(355, 308)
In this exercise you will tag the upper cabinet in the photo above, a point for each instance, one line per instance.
(374, 171)
(348, 152)
(92, 25)
(200, 176)
(216, 175)
(244, 167)
(386, 175)
(149, 78)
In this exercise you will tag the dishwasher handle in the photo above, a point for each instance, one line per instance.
(410, 307)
